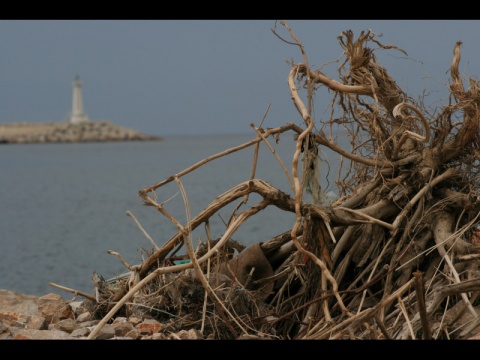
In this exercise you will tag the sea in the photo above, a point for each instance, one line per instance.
(69, 210)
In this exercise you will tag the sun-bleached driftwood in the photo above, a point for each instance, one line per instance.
(393, 256)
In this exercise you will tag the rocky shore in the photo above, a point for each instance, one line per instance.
(51, 317)
(68, 132)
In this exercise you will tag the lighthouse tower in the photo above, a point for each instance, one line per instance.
(77, 115)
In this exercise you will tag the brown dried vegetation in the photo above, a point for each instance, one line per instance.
(390, 258)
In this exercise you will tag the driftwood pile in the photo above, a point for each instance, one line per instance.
(394, 256)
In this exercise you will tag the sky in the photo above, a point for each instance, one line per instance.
(203, 77)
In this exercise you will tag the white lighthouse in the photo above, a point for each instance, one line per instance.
(77, 115)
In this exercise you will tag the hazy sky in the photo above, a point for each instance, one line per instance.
(174, 77)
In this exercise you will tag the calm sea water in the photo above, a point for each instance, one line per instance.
(63, 206)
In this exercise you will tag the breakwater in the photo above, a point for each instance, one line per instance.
(68, 132)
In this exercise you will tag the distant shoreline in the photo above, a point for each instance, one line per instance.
(68, 132)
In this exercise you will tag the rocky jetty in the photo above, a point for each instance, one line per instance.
(51, 317)
(68, 132)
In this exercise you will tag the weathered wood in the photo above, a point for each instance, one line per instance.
(386, 259)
